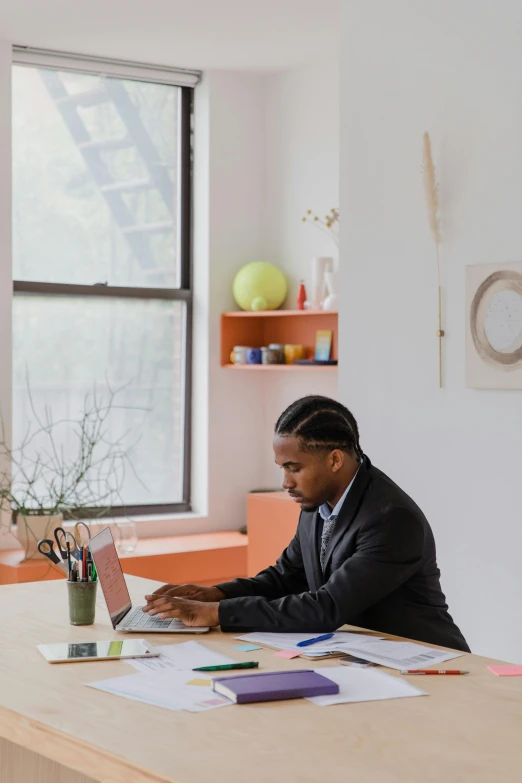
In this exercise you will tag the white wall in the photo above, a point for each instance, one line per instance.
(236, 231)
(6, 287)
(263, 154)
(453, 68)
(302, 165)
(271, 154)
(302, 172)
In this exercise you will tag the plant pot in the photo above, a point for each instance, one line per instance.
(31, 529)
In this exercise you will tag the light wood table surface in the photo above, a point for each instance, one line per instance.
(55, 730)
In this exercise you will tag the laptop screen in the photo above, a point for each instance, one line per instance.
(110, 575)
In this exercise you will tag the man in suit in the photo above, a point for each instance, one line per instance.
(363, 553)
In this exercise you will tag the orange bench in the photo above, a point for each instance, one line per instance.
(204, 558)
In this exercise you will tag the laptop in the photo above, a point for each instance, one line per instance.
(124, 616)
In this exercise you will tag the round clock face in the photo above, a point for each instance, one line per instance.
(503, 321)
(496, 320)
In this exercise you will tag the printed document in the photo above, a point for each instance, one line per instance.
(288, 641)
(398, 655)
(170, 689)
(180, 657)
(363, 685)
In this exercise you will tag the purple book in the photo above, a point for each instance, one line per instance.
(272, 686)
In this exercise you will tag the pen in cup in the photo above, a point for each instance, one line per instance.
(91, 570)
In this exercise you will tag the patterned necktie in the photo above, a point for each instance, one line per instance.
(328, 526)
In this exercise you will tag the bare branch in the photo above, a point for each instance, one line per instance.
(43, 478)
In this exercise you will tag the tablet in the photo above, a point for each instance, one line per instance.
(96, 651)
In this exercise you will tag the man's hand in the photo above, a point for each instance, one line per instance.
(194, 592)
(194, 613)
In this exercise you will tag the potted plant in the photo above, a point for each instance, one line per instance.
(46, 478)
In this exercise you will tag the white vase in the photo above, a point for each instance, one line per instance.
(31, 529)
(320, 265)
(332, 299)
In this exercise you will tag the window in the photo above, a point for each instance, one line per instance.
(101, 263)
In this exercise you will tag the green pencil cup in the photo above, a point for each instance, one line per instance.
(82, 602)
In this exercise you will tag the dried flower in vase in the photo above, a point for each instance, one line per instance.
(329, 224)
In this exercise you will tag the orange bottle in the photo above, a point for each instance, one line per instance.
(301, 296)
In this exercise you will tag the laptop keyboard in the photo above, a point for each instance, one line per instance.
(138, 619)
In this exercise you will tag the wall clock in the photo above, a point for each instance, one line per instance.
(494, 326)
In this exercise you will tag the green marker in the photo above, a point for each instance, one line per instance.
(226, 666)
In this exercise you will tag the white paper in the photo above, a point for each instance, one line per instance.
(309, 653)
(167, 689)
(398, 655)
(180, 657)
(288, 641)
(363, 685)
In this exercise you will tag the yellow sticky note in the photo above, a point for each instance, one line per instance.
(198, 681)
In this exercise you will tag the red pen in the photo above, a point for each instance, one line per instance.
(434, 671)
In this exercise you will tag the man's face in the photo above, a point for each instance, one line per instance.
(310, 478)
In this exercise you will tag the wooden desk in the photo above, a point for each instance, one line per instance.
(52, 728)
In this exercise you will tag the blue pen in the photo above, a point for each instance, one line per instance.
(313, 641)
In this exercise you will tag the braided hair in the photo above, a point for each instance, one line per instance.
(321, 424)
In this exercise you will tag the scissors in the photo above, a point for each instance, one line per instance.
(62, 537)
(78, 534)
(46, 547)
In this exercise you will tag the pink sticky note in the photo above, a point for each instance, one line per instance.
(506, 671)
(213, 702)
(287, 654)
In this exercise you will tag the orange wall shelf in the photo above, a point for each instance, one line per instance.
(297, 327)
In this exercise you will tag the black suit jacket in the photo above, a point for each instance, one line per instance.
(380, 573)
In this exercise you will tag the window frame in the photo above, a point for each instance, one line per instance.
(182, 294)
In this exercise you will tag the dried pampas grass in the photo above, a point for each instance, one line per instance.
(431, 189)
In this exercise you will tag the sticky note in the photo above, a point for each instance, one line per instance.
(213, 702)
(247, 647)
(198, 681)
(506, 671)
(287, 654)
